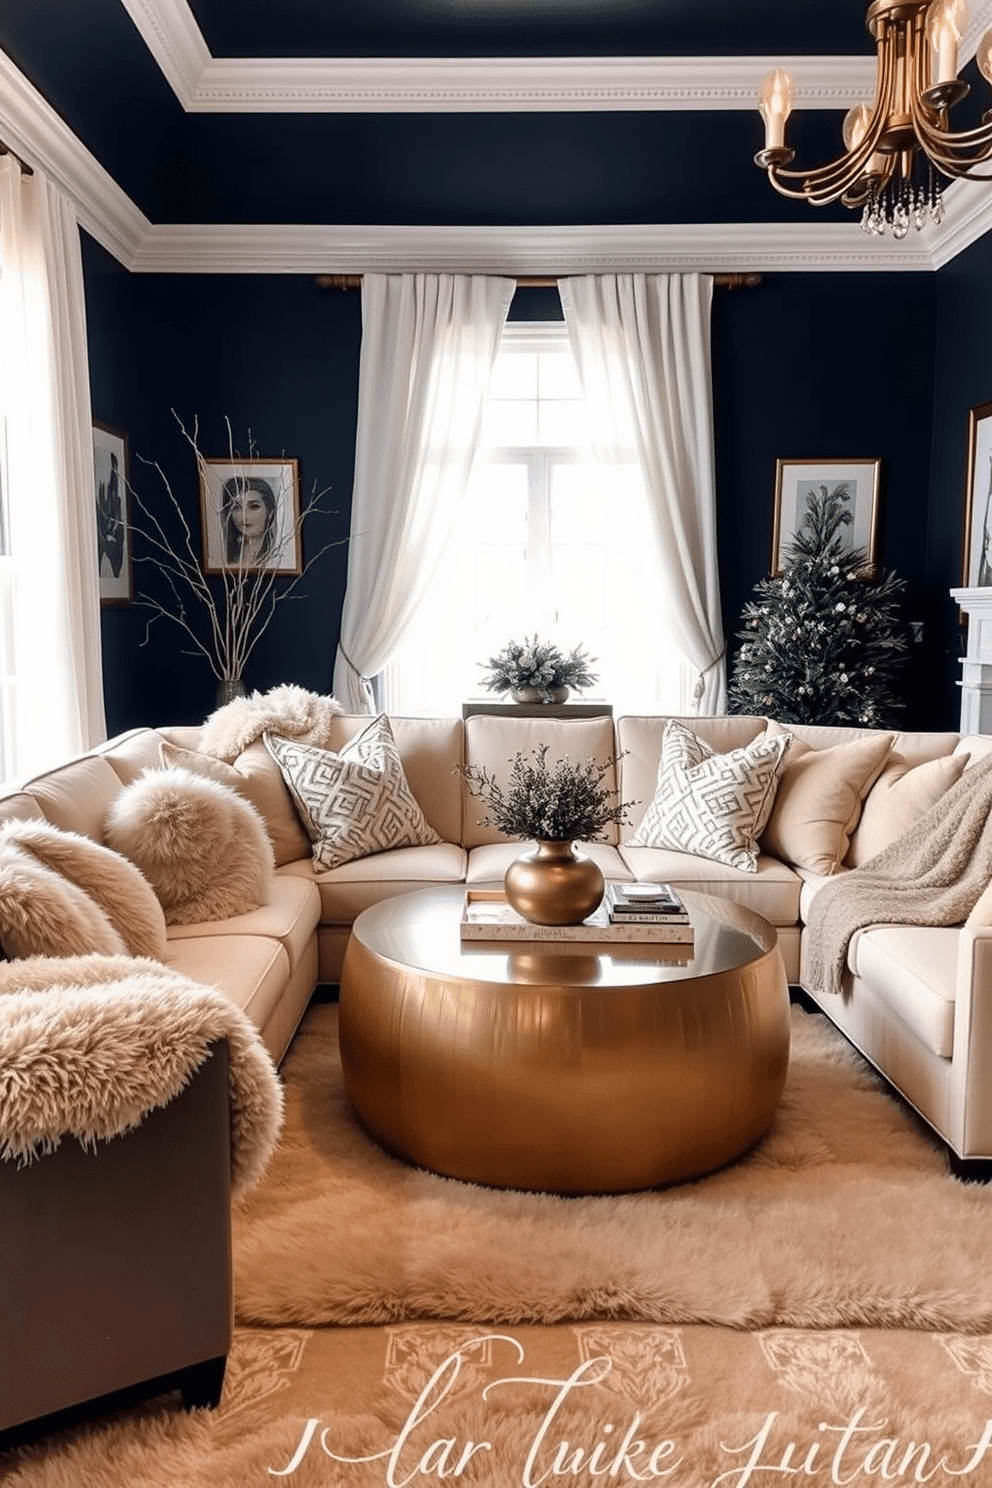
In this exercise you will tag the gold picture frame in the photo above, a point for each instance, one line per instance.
(976, 545)
(795, 480)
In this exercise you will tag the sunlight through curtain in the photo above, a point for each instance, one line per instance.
(428, 346)
(51, 618)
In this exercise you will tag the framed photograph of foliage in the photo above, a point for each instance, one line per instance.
(113, 518)
(796, 480)
(976, 561)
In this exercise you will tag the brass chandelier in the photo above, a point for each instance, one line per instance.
(901, 148)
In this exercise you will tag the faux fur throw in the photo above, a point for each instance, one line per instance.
(288, 710)
(202, 847)
(932, 875)
(118, 888)
(92, 1043)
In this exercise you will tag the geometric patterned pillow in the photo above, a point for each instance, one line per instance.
(354, 802)
(714, 805)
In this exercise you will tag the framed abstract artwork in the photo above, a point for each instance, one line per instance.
(857, 483)
(111, 478)
(976, 559)
(250, 511)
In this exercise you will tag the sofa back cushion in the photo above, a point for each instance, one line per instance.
(491, 741)
(639, 740)
(132, 753)
(77, 796)
(430, 752)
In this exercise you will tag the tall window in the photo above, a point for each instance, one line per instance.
(547, 542)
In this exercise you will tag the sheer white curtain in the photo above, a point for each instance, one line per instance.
(53, 608)
(428, 346)
(642, 344)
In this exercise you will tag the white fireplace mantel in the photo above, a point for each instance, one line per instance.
(976, 680)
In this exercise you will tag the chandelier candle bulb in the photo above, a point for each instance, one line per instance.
(775, 106)
(855, 126)
(946, 24)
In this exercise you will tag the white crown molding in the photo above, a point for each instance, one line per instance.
(416, 84)
(34, 131)
(170, 32)
(968, 207)
(624, 248)
(30, 126)
(531, 84)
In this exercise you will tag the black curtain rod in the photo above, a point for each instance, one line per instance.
(26, 169)
(539, 281)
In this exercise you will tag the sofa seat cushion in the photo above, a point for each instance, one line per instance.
(251, 970)
(347, 890)
(488, 863)
(772, 891)
(912, 970)
(290, 915)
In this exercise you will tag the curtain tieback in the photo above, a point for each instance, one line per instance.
(700, 687)
(363, 680)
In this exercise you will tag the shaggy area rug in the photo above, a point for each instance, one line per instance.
(845, 1215)
(689, 1406)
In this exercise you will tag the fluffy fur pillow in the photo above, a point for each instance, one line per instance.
(256, 776)
(203, 849)
(44, 914)
(125, 896)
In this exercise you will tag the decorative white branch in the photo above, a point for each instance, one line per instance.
(238, 607)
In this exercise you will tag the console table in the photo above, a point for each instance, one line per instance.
(541, 710)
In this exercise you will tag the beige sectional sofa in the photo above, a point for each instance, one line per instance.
(917, 1000)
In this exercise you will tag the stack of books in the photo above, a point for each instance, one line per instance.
(656, 904)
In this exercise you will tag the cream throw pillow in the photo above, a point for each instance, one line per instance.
(256, 776)
(897, 800)
(714, 805)
(356, 802)
(819, 798)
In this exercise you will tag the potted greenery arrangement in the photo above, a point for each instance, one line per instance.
(534, 671)
(553, 883)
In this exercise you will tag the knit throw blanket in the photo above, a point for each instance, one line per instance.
(932, 875)
(90, 1044)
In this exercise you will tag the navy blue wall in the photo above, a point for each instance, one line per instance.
(804, 366)
(834, 367)
(962, 379)
(278, 357)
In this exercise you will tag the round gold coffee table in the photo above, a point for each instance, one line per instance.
(567, 1068)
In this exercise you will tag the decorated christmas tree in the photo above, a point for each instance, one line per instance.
(823, 642)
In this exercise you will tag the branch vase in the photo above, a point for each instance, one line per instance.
(554, 884)
(229, 688)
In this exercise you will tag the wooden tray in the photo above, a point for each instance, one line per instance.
(487, 916)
